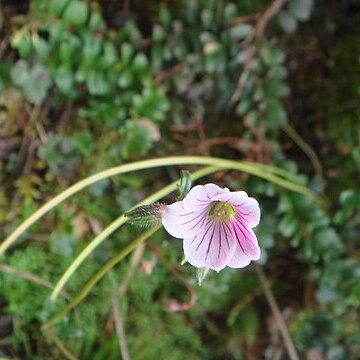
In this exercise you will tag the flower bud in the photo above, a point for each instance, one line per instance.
(146, 215)
(185, 183)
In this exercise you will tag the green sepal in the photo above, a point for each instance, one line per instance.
(146, 216)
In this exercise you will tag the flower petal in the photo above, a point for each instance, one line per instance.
(248, 212)
(235, 198)
(247, 208)
(212, 247)
(247, 247)
(239, 260)
(181, 223)
(200, 196)
(246, 239)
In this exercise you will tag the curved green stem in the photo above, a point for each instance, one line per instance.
(271, 169)
(100, 274)
(115, 225)
(146, 164)
(306, 148)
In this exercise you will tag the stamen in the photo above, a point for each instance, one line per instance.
(221, 211)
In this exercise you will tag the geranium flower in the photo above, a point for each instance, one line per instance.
(216, 226)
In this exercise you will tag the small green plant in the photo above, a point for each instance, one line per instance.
(113, 95)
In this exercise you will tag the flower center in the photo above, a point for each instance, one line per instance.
(221, 211)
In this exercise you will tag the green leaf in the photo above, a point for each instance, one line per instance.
(336, 353)
(325, 295)
(207, 18)
(272, 56)
(159, 33)
(249, 324)
(62, 244)
(41, 46)
(97, 83)
(278, 72)
(109, 56)
(355, 154)
(285, 203)
(38, 83)
(295, 240)
(125, 79)
(140, 62)
(287, 22)
(156, 57)
(76, 12)
(288, 225)
(22, 42)
(64, 80)
(181, 49)
(137, 139)
(301, 9)
(240, 31)
(165, 16)
(82, 141)
(349, 197)
(127, 52)
(20, 73)
(275, 87)
(243, 107)
(275, 114)
(230, 11)
(69, 48)
(96, 20)
(326, 238)
(57, 6)
(92, 48)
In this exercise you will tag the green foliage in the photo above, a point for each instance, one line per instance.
(34, 81)
(79, 95)
(72, 51)
(167, 336)
(297, 10)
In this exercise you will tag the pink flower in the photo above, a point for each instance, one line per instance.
(216, 226)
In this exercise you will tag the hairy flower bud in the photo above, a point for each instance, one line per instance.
(146, 215)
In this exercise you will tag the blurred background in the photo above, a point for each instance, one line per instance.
(86, 85)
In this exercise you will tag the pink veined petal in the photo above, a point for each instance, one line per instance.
(212, 247)
(200, 196)
(181, 223)
(247, 208)
(247, 246)
(239, 260)
(248, 212)
(235, 198)
(213, 190)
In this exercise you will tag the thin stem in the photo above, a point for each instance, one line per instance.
(306, 148)
(277, 314)
(84, 254)
(118, 320)
(102, 272)
(271, 169)
(147, 164)
(25, 275)
(257, 33)
(59, 344)
(134, 262)
(114, 226)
